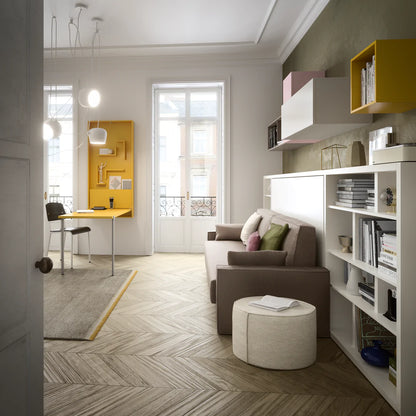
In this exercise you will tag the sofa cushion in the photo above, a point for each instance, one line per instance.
(300, 242)
(253, 242)
(216, 254)
(257, 258)
(273, 238)
(250, 226)
(228, 231)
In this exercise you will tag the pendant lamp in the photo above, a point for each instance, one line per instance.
(97, 135)
(52, 128)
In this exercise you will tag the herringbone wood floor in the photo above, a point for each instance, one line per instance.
(159, 354)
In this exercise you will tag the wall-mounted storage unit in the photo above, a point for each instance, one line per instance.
(346, 308)
(394, 87)
(111, 166)
(319, 110)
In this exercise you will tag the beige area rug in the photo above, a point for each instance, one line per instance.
(77, 304)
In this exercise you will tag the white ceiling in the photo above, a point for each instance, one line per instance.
(261, 28)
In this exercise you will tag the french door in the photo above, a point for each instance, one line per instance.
(188, 165)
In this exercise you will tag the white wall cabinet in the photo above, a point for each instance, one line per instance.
(338, 220)
(319, 110)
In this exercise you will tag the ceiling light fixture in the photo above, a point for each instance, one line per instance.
(96, 135)
(52, 127)
(91, 97)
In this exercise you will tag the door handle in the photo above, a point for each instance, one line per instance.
(45, 265)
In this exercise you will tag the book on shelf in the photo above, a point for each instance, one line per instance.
(355, 180)
(368, 298)
(387, 271)
(353, 188)
(367, 287)
(355, 201)
(350, 204)
(372, 238)
(274, 303)
(351, 194)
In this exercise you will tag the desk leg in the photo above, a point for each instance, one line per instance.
(113, 229)
(62, 245)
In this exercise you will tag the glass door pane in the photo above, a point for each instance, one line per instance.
(203, 168)
(172, 185)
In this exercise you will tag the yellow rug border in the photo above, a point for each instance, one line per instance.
(111, 308)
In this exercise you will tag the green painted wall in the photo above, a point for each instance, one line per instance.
(343, 29)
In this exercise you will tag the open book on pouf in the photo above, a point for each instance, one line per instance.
(274, 303)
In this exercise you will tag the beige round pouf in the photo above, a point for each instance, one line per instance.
(283, 340)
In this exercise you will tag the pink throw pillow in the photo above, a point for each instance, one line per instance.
(253, 242)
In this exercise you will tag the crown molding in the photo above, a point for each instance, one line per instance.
(303, 23)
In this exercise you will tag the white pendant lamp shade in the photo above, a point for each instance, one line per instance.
(89, 98)
(97, 135)
(51, 129)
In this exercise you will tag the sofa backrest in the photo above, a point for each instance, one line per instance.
(300, 242)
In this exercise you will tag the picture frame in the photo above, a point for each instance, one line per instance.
(126, 184)
(114, 182)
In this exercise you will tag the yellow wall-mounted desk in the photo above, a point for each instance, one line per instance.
(111, 166)
(97, 214)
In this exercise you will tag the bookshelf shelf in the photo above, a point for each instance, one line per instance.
(394, 87)
(330, 221)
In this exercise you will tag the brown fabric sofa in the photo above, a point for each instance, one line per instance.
(298, 277)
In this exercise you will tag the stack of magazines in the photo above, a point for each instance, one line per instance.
(352, 192)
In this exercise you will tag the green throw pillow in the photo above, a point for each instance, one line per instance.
(273, 238)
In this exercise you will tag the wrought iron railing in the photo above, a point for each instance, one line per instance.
(67, 201)
(201, 206)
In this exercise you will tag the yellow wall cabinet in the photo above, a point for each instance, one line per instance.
(111, 166)
(390, 75)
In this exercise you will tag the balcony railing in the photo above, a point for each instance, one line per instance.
(201, 206)
(67, 201)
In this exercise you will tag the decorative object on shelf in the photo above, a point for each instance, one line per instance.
(391, 305)
(111, 202)
(354, 277)
(333, 148)
(388, 198)
(346, 242)
(126, 184)
(101, 166)
(376, 355)
(356, 154)
(105, 151)
(369, 330)
(405, 152)
(379, 139)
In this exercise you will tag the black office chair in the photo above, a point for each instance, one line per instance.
(53, 211)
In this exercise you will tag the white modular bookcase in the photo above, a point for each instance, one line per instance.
(336, 220)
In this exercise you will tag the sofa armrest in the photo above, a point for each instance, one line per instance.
(310, 284)
(211, 235)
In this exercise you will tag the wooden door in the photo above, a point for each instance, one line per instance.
(21, 207)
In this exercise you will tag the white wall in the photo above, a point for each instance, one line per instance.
(253, 98)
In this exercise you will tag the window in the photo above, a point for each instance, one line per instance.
(59, 105)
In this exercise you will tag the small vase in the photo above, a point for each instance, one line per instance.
(354, 277)
(356, 154)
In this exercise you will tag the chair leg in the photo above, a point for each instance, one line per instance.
(72, 251)
(89, 248)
